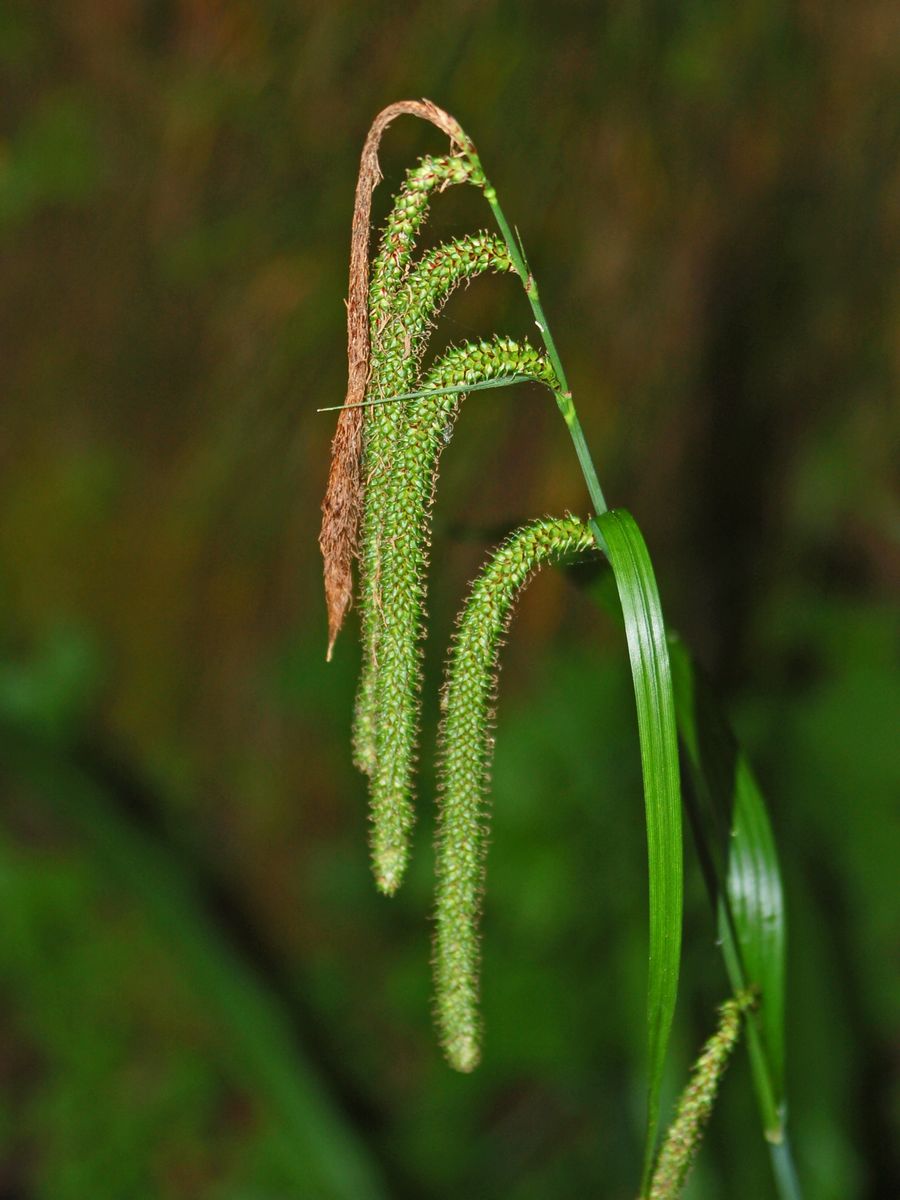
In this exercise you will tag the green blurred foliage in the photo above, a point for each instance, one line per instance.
(710, 196)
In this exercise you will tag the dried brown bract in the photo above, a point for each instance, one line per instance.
(342, 506)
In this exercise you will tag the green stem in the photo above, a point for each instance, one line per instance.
(563, 394)
(785, 1172)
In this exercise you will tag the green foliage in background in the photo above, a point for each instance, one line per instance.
(707, 194)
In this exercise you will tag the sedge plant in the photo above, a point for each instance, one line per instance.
(397, 418)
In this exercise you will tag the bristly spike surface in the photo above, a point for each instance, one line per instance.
(682, 1140)
(403, 560)
(396, 330)
(395, 370)
(402, 304)
(466, 745)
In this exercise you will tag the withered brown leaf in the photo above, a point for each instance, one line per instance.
(342, 505)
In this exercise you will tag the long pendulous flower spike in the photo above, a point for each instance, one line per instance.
(466, 745)
(682, 1141)
(390, 708)
(407, 316)
(402, 304)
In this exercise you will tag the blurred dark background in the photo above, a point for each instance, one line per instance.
(201, 994)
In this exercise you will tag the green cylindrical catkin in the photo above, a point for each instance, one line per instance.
(466, 748)
(409, 489)
(395, 371)
(409, 212)
(682, 1140)
(391, 371)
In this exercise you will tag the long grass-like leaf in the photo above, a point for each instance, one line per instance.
(738, 857)
(620, 539)
(737, 852)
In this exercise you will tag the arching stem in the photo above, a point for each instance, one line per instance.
(564, 395)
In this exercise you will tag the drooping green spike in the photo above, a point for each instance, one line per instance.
(682, 1141)
(402, 305)
(396, 357)
(466, 745)
(408, 214)
(399, 612)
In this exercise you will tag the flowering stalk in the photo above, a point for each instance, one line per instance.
(407, 420)
(392, 706)
(406, 320)
(466, 746)
(683, 1138)
(396, 337)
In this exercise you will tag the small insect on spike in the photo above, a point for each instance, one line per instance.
(682, 1140)
(403, 561)
(466, 746)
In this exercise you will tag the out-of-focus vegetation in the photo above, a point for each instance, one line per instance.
(195, 972)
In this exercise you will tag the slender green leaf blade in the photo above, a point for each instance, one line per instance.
(737, 853)
(737, 849)
(620, 539)
(455, 389)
